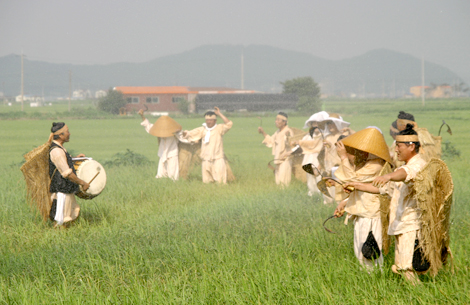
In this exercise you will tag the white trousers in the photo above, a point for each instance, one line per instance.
(362, 227)
(168, 168)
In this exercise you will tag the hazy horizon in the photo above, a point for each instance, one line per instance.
(89, 32)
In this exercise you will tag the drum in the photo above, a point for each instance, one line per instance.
(90, 170)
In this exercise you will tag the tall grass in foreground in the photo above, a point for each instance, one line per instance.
(149, 241)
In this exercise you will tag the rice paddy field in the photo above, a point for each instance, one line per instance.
(155, 241)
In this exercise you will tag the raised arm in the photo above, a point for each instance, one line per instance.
(261, 131)
(141, 113)
(219, 114)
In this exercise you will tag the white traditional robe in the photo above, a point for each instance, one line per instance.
(280, 147)
(212, 151)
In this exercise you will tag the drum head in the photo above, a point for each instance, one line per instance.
(87, 171)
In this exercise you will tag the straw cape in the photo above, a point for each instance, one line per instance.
(297, 157)
(433, 191)
(188, 157)
(36, 174)
(369, 140)
(385, 211)
(430, 144)
(164, 127)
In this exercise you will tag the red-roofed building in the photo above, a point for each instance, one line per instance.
(165, 99)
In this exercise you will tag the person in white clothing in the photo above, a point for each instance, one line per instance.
(214, 166)
(168, 132)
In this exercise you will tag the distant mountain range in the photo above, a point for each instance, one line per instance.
(376, 73)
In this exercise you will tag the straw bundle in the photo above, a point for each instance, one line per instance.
(297, 158)
(297, 169)
(430, 145)
(230, 175)
(433, 191)
(297, 136)
(36, 174)
(188, 157)
(385, 211)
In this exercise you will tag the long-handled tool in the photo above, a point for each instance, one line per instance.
(322, 184)
(324, 226)
(448, 128)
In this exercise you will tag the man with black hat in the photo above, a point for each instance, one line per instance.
(281, 149)
(168, 132)
(214, 168)
(405, 215)
(64, 180)
(429, 145)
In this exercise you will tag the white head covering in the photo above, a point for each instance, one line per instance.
(375, 128)
(340, 124)
(316, 117)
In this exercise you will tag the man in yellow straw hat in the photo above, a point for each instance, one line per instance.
(168, 132)
(405, 214)
(214, 168)
(363, 156)
(281, 149)
(64, 180)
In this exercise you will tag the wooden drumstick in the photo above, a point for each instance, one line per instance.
(99, 170)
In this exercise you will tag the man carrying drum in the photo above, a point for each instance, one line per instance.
(64, 180)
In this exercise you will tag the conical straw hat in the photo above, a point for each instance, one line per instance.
(164, 127)
(369, 140)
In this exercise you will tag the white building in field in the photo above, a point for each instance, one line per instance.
(100, 94)
(30, 98)
(81, 94)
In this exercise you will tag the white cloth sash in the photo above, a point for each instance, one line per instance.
(59, 214)
(208, 133)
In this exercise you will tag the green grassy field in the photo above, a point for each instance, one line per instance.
(149, 241)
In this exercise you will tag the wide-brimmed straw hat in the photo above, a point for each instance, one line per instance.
(164, 127)
(369, 140)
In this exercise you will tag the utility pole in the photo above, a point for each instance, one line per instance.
(22, 82)
(423, 99)
(242, 72)
(70, 89)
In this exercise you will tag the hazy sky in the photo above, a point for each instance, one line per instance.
(105, 31)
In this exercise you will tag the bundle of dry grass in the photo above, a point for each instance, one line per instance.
(297, 158)
(385, 212)
(188, 157)
(430, 145)
(433, 191)
(36, 174)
